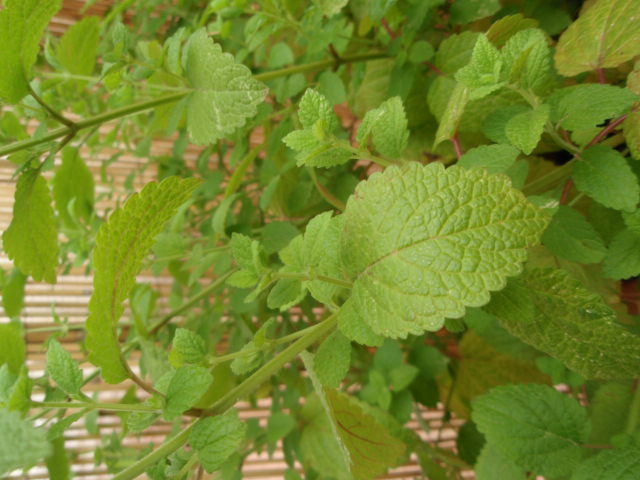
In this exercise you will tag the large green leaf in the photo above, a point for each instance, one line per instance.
(22, 23)
(79, 46)
(605, 36)
(535, 426)
(215, 439)
(555, 313)
(225, 94)
(422, 243)
(616, 464)
(121, 245)
(21, 444)
(31, 240)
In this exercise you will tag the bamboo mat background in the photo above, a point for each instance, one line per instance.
(71, 294)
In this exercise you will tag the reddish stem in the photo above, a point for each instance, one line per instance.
(607, 130)
(389, 30)
(456, 145)
(434, 69)
(564, 198)
(602, 77)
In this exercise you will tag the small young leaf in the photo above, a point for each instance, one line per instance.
(31, 240)
(493, 158)
(458, 234)
(313, 107)
(584, 106)
(121, 245)
(605, 36)
(623, 258)
(387, 124)
(525, 129)
(187, 386)
(483, 73)
(452, 114)
(73, 180)
(22, 23)
(225, 92)
(21, 444)
(79, 46)
(215, 439)
(553, 312)
(188, 346)
(63, 369)
(527, 60)
(604, 174)
(537, 427)
(506, 27)
(571, 236)
(279, 425)
(455, 51)
(333, 359)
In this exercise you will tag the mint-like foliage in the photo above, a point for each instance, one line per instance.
(437, 241)
(216, 438)
(121, 245)
(21, 443)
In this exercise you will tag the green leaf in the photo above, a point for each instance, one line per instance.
(317, 252)
(188, 346)
(286, 293)
(22, 23)
(31, 240)
(333, 359)
(387, 124)
(13, 350)
(372, 448)
(277, 235)
(13, 293)
(483, 73)
(493, 158)
(58, 461)
(618, 463)
(481, 367)
(79, 46)
(623, 258)
(217, 438)
(421, 51)
(571, 236)
(527, 60)
(537, 427)
(555, 313)
(492, 465)
(15, 391)
(584, 106)
(225, 94)
(604, 36)
(279, 426)
(188, 384)
(455, 51)
(604, 174)
(452, 114)
(608, 410)
(63, 369)
(313, 107)
(122, 244)
(436, 241)
(73, 181)
(316, 147)
(506, 27)
(330, 7)
(631, 128)
(21, 444)
(467, 11)
(525, 129)
(253, 356)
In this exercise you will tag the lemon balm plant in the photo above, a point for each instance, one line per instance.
(464, 233)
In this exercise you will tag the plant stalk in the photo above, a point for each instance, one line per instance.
(116, 407)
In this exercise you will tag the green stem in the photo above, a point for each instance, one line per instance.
(268, 344)
(238, 175)
(189, 303)
(156, 102)
(91, 122)
(325, 193)
(193, 460)
(154, 457)
(230, 399)
(304, 277)
(634, 412)
(116, 407)
(272, 366)
(179, 256)
(54, 113)
(319, 65)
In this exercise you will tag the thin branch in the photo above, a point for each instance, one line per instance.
(55, 114)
